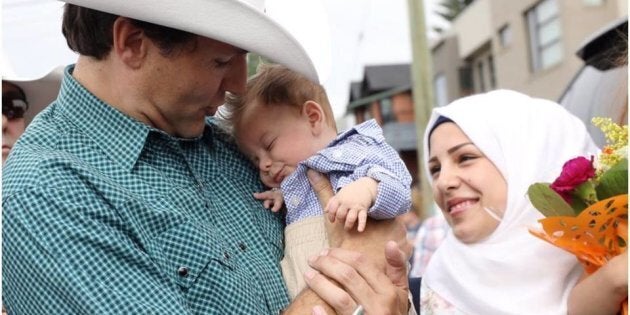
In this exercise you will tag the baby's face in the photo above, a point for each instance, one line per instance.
(276, 139)
(267, 179)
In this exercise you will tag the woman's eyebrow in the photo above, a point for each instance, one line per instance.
(450, 151)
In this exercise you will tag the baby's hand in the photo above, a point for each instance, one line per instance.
(272, 198)
(352, 202)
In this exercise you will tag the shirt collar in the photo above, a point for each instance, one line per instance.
(119, 136)
(369, 129)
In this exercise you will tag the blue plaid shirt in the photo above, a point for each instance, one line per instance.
(106, 215)
(355, 153)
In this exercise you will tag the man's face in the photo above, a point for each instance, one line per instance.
(13, 108)
(190, 84)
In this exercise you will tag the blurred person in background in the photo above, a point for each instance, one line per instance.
(21, 100)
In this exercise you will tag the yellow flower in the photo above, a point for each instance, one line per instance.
(617, 144)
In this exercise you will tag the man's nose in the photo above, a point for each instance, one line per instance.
(236, 78)
(5, 123)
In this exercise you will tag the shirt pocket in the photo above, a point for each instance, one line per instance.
(186, 250)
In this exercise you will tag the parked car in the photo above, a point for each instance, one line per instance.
(600, 87)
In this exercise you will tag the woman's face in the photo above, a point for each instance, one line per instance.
(465, 182)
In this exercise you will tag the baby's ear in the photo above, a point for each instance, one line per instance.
(315, 115)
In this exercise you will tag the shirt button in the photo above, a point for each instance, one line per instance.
(242, 246)
(226, 255)
(182, 271)
(295, 201)
(337, 154)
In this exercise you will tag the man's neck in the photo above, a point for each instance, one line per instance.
(111, 84)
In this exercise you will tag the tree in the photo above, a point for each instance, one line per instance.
(450, 9)
(253, 60)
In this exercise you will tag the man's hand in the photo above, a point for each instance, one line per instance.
(366, 271)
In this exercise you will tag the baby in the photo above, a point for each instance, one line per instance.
(285, 125)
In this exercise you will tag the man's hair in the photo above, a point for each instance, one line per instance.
(90, 32)
(276, 85)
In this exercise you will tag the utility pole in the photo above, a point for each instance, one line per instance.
(422, 87)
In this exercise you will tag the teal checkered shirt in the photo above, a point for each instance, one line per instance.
(106, 215)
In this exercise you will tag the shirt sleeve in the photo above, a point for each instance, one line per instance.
(87, 266)
(379, 161)
(394, 194)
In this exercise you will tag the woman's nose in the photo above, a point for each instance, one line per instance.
(448, 179)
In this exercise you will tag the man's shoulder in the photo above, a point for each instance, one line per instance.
(45, 153)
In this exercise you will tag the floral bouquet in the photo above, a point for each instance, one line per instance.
(586, 207)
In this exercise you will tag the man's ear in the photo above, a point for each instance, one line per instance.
(315, 115)
(129, 42)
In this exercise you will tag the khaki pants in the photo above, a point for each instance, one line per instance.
(302, 240)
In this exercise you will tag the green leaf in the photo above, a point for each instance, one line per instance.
(614, 181)
(586, 192)
(548, 202)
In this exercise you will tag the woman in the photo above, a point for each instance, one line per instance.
(482, 153)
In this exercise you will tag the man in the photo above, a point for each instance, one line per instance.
(21, 100)
(127, 200)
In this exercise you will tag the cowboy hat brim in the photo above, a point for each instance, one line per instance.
(230, 21)
(40, 92)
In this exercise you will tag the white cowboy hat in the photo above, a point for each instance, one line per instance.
(242, 23)
(40, 92)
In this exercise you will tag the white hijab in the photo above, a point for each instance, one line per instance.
(511, 272)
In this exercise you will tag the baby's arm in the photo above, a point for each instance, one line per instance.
(603, 291)
(352, 202)
(271, 199)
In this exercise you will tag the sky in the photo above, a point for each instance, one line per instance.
(341, 37)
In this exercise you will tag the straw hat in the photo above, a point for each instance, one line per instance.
(242, 23)
(39, 91)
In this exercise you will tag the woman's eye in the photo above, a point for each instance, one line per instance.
(434, 170)
(465, 158)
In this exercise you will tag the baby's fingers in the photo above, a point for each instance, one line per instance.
(277, 204)
(267, 203)
(264, 195)
(331, 209)
(351, 218)
(362, 221)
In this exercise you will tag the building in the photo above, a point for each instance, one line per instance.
(384, 94)
(525, 45)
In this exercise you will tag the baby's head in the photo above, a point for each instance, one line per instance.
(281, 120)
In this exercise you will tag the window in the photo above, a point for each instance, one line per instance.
(466, 82)
(593, 3)
(492, 74)
(441, 90)
(505, 36)
(543, 22)
(482, 80)
(387, 111)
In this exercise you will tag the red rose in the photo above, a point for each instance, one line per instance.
(574, 172)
